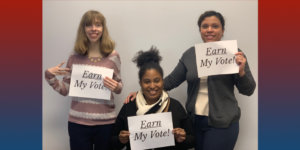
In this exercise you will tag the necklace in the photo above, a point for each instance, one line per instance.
(95, 59)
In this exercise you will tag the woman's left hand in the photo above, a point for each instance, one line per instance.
(179, 134)
(241, 61)
(124, 136)
(111, 84)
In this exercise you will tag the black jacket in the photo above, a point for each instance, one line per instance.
(179, 117)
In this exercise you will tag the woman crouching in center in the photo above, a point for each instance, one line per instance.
(152, 99)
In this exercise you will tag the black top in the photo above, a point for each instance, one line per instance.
(179, 117)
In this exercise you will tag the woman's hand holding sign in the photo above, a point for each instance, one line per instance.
(179, 134)
(124, 136)
(241, 61)
(57, 70)
(112, 85)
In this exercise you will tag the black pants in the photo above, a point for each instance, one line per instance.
(84, 137)
(210, 138)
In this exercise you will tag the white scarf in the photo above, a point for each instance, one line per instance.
(143, 107)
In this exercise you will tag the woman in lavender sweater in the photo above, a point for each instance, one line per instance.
(90, 120)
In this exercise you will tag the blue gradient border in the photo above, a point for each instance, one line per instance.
(21, 75)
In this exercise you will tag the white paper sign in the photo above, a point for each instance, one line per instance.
(151, 131)
(214, 58)
(87, 81)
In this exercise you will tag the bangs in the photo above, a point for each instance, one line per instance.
(93, 18)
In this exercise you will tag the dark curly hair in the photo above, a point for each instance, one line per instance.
(146, 60)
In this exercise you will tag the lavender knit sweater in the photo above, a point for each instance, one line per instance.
(89, 111)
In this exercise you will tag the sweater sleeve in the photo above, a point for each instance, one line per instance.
(117, 70)
(185, 122)
(246, 84)
(176, 77)
(119, 125)
(61, 86)
(187, 126)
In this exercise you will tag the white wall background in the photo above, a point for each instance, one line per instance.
(171, 25)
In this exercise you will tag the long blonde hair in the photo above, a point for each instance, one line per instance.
(82, 42)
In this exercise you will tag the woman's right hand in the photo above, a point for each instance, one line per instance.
(124, 136)
(130, 97)
(57, 70)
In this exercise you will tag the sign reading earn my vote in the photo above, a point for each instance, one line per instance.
(151, 131)
(214, 58)
(87, 81)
